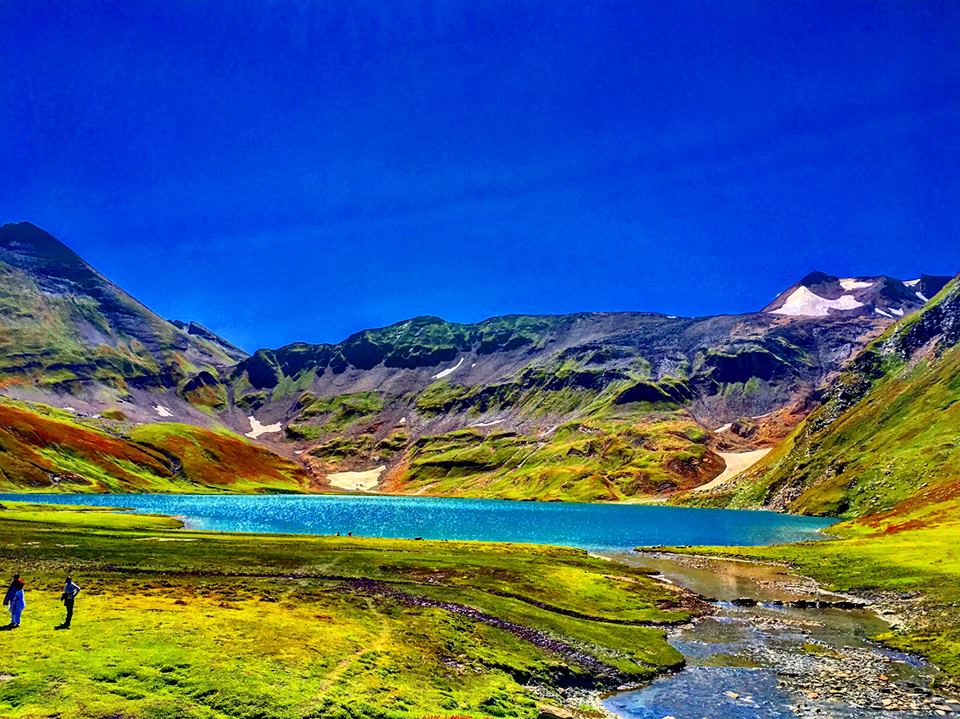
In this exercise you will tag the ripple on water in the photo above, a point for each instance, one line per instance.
(703, 692)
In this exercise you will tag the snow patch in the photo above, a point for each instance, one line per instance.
(491, 423)
(804, 303)
(922, 297)
(897, 312)
(71, 410)
(723, 428)
(736, 462)
(852, 283)
(912, 283)
(448, 371)
(256, 429)
(882, 312)
(356, 481)
(162, 411)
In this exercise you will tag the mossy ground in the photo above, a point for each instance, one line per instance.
(592, 460)
(323, 416)
(193, 624)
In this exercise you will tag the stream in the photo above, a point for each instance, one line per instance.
(771, 661)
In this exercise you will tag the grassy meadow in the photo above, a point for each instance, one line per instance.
(195, 624)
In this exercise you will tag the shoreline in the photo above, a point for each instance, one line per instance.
(651, 500)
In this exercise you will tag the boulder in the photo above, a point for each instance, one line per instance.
(545, 711)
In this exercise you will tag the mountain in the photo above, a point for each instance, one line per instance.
(883, 440)
(821, 295)
(46, 449)
(588, 406)
(66, 330)
(71, 337)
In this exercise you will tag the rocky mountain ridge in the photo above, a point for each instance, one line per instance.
(585, 406)
(883, 437)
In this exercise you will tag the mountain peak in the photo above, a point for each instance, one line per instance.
(24, 245)
(816, 278)
(66, 314)
(819, 294)
(28, 239)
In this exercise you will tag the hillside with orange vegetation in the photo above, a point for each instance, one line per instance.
(44, 449)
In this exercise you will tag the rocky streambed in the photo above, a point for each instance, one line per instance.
(777, 647)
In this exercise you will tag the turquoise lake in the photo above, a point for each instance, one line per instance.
(589, 526)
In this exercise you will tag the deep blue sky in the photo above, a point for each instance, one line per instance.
(300, 170)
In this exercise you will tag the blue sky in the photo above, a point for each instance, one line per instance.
(285, 171)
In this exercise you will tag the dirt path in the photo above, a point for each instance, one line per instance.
(334, 675)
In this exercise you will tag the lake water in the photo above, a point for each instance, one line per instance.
(590, 526)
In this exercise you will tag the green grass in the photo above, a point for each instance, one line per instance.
(193, 624)
(318, 417)
(339, 449)
(590, 460)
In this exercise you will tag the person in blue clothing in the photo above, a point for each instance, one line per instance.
(14, 601)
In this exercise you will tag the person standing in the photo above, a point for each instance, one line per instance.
(14, 600)
(70, 592)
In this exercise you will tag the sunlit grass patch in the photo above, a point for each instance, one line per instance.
(194, 624)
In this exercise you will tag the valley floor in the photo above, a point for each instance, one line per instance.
(204, 625)
(173, 622)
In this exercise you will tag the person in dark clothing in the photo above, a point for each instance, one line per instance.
(70, 592)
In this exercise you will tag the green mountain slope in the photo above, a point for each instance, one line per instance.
(588, 460)
(64, 327)
(887, 434)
